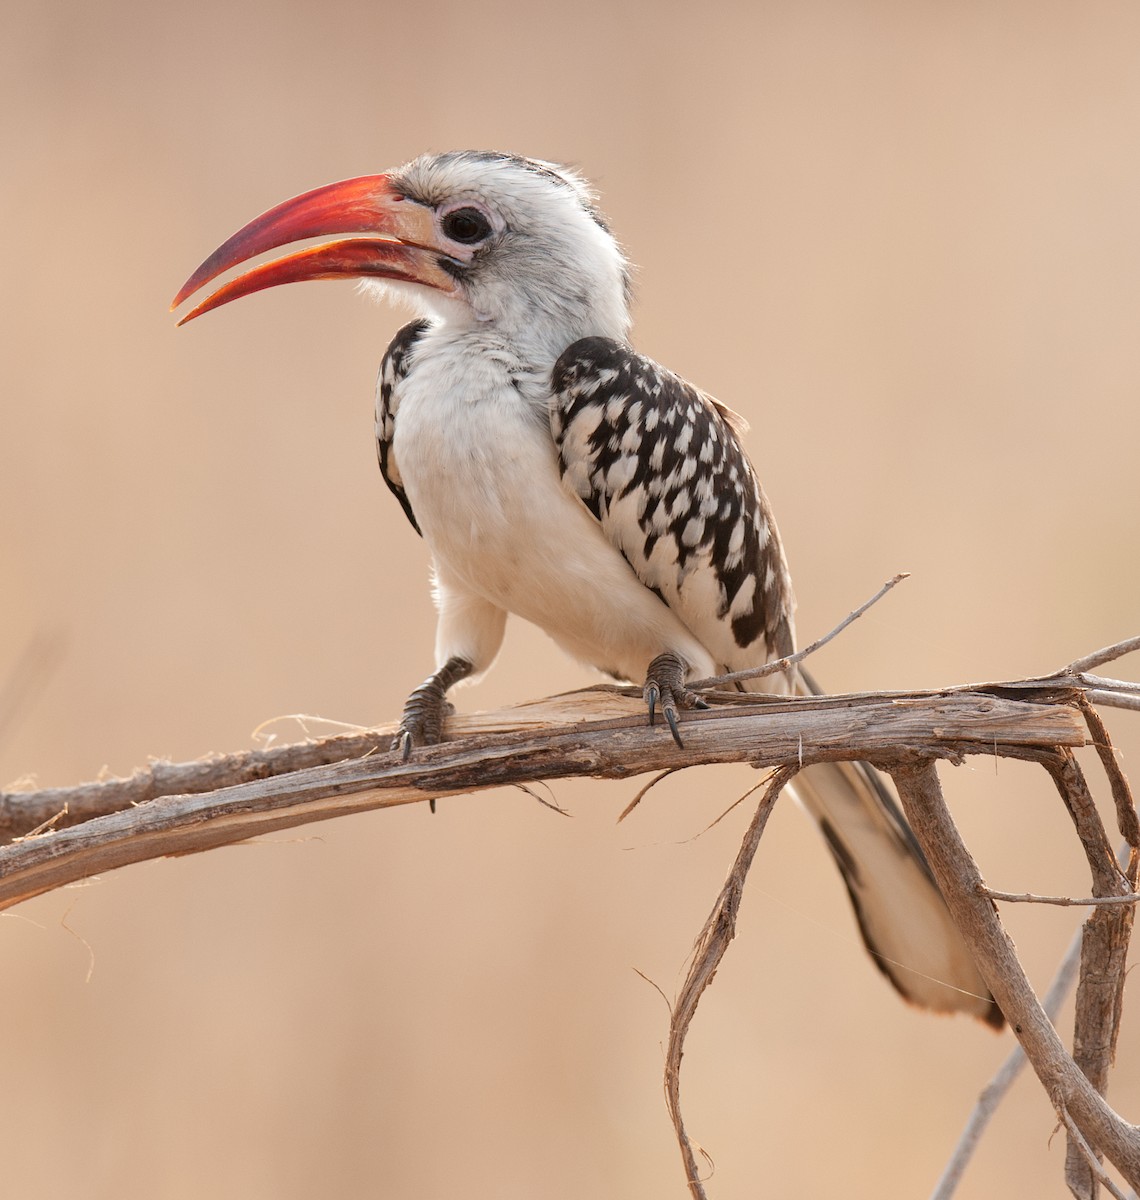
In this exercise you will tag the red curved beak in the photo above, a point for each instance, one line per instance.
(405, 249)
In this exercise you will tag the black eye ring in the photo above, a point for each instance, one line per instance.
(466, 226)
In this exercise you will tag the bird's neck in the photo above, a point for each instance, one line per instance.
(478, 361)
(533, 341)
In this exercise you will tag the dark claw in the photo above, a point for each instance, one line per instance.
(402, 744)
(425, 709)
(665, 686)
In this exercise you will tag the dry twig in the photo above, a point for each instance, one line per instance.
(1104, 952)
(995, 1091)
(1062, 901)
(599, 735)
(779, 665)
(710, 948)
(1070, 1091)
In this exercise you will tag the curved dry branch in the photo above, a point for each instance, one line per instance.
(1104, 953)
(575, 735)
(995, 1091)
(710, 948)
(1073, 1096)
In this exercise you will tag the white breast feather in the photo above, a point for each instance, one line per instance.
(480, 469)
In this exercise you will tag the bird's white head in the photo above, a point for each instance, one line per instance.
(470, 237)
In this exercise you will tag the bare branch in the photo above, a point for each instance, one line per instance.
(1113, 699)
(1104, 955)
(718, 931)
(995, 1091)
(1062, 901)
(780, 665)
(961, 883)
(1099, 657)
(1091, 1163)
(1126, 818)
(603, 707)
(1113, 685)
(642, 792)
(569, 740)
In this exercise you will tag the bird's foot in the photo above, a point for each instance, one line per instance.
(422, 722)
(425, 708)
(665, 686)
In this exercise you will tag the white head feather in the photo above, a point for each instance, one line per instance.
(548, 273)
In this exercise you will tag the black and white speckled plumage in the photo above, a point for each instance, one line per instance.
(393, 368)
(661, 467)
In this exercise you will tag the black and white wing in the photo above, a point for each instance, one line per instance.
(661, 467)
(393, 370)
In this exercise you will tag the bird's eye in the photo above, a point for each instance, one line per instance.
(466, 226)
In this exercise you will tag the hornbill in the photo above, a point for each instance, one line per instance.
(557, 474)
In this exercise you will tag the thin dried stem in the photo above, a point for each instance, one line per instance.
(1116, 685)
(1126, 818)
(779, 665)
(961, 883)
(1090, 1160)
(1061, 901)
(1099, 657)
(1113, 699)
(718, 931)
(1104, 955)
(995, 1091)
(642, 792)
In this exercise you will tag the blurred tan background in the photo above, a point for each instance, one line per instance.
(901, 238)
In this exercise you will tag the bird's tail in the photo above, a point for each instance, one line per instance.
(902, 916)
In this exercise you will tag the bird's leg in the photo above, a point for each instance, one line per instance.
(665, 685)
(422, 722)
